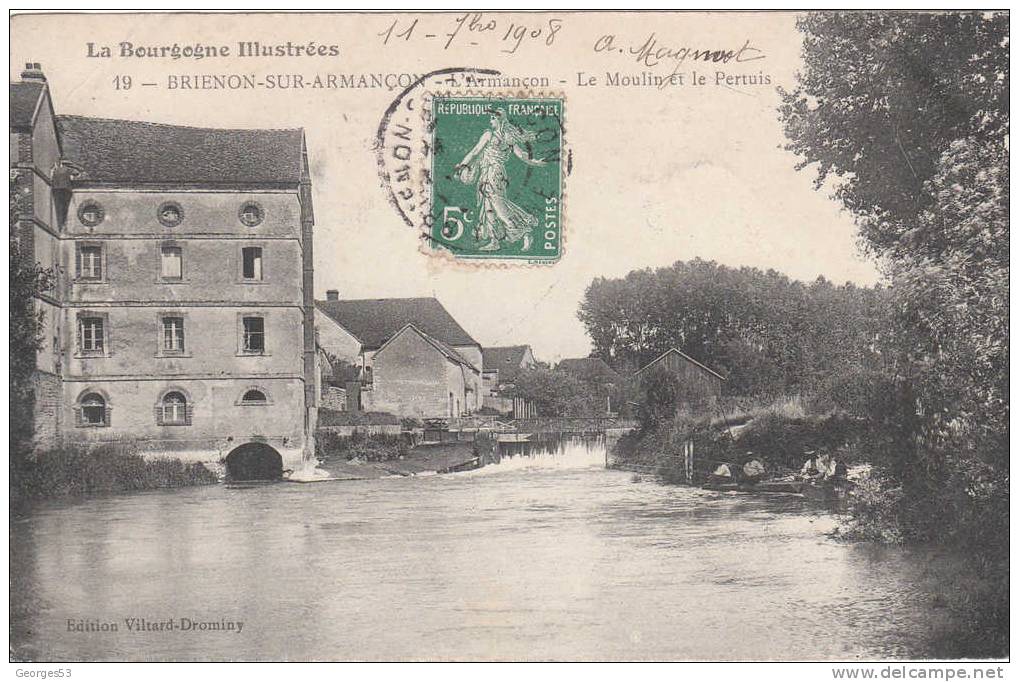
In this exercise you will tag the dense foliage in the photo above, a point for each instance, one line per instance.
(907, 115)
(27, 280)
(557, 393)
(360, 446)
(105, 469)
(768, 334)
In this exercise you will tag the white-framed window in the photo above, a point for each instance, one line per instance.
(171, 262)
(173, 334)
(253, 340)
(173, 409)
(251, 263)
(90, 262)
(92, 334)
(91, 214)
(251, 214)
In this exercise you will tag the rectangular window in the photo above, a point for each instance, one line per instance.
(90, 262)
(173, 334)
(252, 263)
(254, 335)
(171, 262)
(92, 340)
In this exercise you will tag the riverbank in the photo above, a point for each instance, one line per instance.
(106, 469)
(968, 590)
(360, 457)
(779, 438)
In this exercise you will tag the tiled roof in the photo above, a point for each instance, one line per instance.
(588, 369)
(24, 99)
(682, 355)
(446, 351)
(374, 321)
(132, 151)
(506, 359)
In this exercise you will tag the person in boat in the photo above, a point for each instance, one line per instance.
(753, 471)
(819, 467)
(809, 469)
(824, 468)
(723, 474)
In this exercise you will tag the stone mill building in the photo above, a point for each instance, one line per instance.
(182, 316)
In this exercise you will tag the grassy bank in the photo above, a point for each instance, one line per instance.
(360, 447)
(104, 469)
(782, 434)
(327, 417)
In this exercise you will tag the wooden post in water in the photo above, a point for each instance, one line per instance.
(688, 457)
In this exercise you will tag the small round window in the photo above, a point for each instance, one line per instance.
(251, 214)
(170, 214)
(91, 214)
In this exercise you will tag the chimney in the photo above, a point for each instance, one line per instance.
(333, 295)
(33, 72)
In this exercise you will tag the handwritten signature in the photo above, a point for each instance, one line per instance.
(651, 53)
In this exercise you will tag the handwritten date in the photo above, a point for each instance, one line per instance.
(470, 27)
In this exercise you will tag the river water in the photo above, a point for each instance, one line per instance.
(547, 556)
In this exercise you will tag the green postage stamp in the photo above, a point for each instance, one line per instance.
(497, 177)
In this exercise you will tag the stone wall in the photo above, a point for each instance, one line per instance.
(35, 153)
(218, 418)
(335, 340)
(212, 297)
(134, 371)
(476, 394)
(47, 411)
(333, 398)
(411, 379)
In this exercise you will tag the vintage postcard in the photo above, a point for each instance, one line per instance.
(510, 336)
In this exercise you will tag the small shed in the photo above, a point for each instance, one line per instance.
(699, 382)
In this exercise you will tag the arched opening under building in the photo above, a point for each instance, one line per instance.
(254, 462)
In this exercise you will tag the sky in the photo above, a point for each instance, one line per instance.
(658, 174)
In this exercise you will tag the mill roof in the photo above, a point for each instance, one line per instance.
(444, 350)
(24, 100)
(117, 151)
(374, 321)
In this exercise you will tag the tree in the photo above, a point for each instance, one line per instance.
(767, 333)
(883, 95)
(661, 391)
(560, 394)
(27, 280)
(907, 116)
(551, 392)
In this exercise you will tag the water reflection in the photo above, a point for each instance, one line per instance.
(543, 555)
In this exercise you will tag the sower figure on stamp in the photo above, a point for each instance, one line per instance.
(499, 219)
